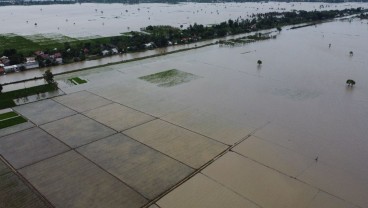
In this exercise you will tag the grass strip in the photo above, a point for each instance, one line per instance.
(77, 80)
(12, 122)
(7, 115)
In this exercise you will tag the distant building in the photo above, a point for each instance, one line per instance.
(2, 71)
(10, 69)
(59, 60)
(114, 51)
(105, 52)
(30, 59)
(31, 65)
(149, 45)
(5, 60)
(57, 55)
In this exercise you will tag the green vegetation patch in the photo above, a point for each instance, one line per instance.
(20, 43)
(77, 80)
(169, 78)
(6, 99)
(8, 115)
(11, 121)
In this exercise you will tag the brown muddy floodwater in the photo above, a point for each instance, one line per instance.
(297, 132)
(63, 23)
(296, 104)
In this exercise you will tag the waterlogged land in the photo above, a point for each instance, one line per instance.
(289, 128)
(282, 134)
(158, 36)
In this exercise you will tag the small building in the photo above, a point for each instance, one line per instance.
(2, 71)
(57, 55)
(31, 65)
(5, 60)
(59, 60)
(10, 69)
(105, 52)
(149, 45)
(114, 51)
(30, 59)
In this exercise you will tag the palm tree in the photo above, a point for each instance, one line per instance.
(48, 77)
(350, 82)
(259, 62)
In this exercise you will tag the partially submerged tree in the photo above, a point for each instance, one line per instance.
(350, 82)
(259, 62)
(49, 77)
(351, 53)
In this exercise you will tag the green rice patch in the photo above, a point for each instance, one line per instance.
(77, 80)
(169, 78)
(7, 98)
(12, 122)
(7, 115)
(21, 44)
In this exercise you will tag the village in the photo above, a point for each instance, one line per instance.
(40, 59)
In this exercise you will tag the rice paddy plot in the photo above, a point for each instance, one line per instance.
(169, 78)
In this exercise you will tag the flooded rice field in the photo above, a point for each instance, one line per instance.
(282, 134)
(304, 121)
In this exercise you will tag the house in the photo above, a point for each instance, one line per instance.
(30, 59)
(5, 60)
(2, 71)
(31, 65)
(9, 69)
(45, 56)
(57, 55)
(105, 52)
(59, 60)
(114, 51)
(149, 45)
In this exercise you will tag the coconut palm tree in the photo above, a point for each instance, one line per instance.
(350, 82)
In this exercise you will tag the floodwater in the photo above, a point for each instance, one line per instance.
(83, 21)
(297, 133)
(88, 20)
(306, 123)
